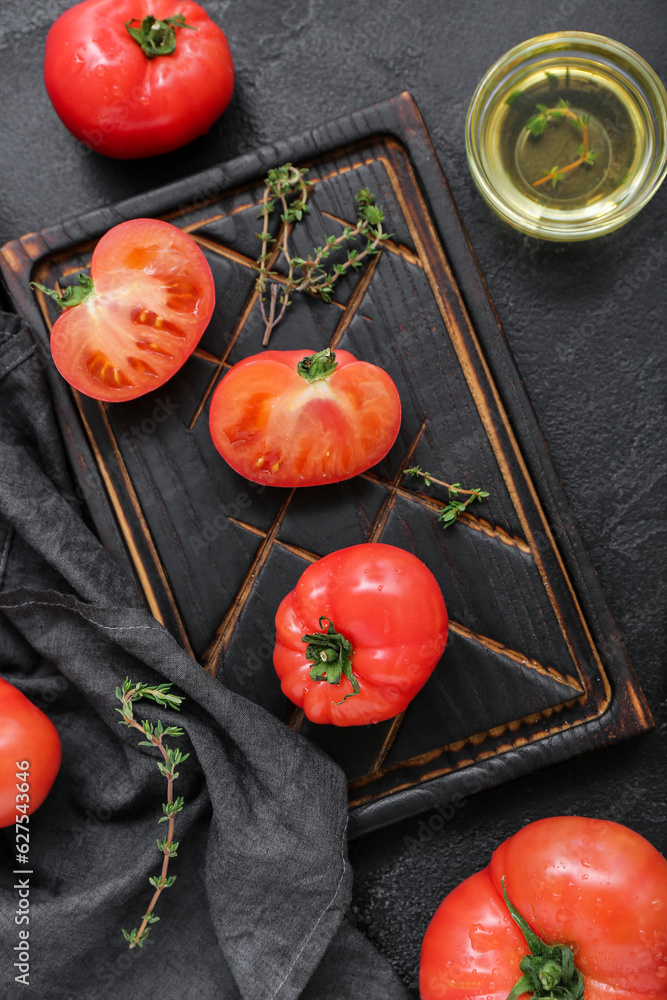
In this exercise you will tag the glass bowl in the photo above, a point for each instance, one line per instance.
(566, 135)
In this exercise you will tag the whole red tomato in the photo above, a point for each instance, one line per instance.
(360, 634)
(133, 78)
(131, 325)
(589, 884)
(294, 418)
(29, 755)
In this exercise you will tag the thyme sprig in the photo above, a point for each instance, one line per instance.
(454, 507)
(287, 186)
(154, 737)
(537, 124)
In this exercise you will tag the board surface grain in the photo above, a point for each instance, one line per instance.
(535, 670)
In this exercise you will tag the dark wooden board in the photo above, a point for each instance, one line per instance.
(535, 670)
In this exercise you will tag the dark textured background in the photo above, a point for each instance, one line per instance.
(585, 323)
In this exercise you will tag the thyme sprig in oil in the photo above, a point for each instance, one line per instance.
(537, 124)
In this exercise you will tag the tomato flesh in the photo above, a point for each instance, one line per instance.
(152, 300)
(116, 100)
(274, 427)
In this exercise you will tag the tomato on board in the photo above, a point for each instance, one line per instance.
(135, 79)
(589, 884)
(295, 418)
(30, 755)
(138, 318)
(360, 634)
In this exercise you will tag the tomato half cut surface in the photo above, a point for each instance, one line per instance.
(298, 418)
(151, 298)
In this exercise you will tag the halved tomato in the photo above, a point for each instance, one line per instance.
(139, 316)
(295, 418)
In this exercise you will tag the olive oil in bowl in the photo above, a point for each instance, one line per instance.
(568, 143)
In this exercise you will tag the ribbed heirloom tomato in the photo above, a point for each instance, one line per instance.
(28, 738)
(132, 78)
(360, 634)
(295, 418)
(131, 325)
(593, 895)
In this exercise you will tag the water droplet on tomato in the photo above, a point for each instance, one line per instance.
(563, 915)
(481, 938)
(100, 70)
(657, 903)
(585, 862)
(380, 586)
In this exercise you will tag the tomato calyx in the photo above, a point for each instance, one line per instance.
(73, 295)
(318, 366)
(157, 38)
(549, 972)
(330, 654)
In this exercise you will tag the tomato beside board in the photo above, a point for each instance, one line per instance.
(372, 619)
(131, 326)
(128, 100)
(30, 755)
(298, 418)
(594, 885)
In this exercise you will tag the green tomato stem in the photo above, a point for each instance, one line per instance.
(154, 37)
(318, 366)
(549, 972)
(73, 295)
(330, 653)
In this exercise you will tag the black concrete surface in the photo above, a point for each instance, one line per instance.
(586, 323)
